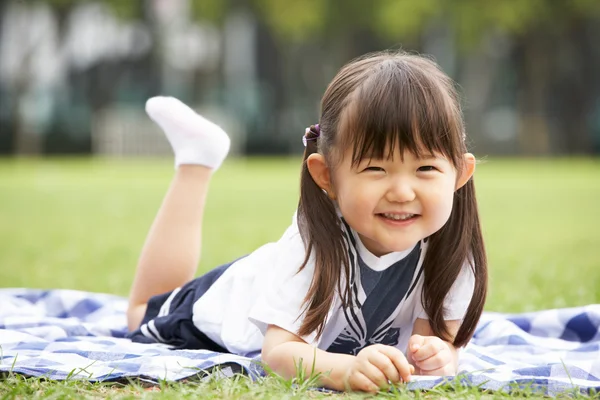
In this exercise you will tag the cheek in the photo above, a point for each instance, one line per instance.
(349, 200)
(355, 205)
(446, 207)
(441, 203)
(350, 193)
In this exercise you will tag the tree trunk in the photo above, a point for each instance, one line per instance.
(25, 140)
(533, 133)
(578, 83)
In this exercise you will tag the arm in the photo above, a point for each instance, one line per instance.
(282, 351)
(431, 355)
(370, 370)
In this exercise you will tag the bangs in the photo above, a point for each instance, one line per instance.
(404, 108)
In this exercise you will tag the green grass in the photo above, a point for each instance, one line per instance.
(80, 223)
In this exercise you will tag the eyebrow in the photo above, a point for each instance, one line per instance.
(431, 157)
(425, 156)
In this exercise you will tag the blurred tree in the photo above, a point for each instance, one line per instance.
(124, 9)
(552, 42)
(543, 31)
(24, 141)
(534, 25)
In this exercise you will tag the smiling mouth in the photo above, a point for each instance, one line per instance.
(398, 217)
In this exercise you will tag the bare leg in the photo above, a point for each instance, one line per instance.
(171, 252)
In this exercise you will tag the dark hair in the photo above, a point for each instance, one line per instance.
(376, 104)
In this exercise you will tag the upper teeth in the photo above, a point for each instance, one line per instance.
(398, 217)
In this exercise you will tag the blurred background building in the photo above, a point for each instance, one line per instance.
(74, 74)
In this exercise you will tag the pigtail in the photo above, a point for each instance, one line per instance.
(460, 239)
(321, 232)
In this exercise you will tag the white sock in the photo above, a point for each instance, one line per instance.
(194, 139)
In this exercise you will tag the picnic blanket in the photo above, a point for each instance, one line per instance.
(67, 334)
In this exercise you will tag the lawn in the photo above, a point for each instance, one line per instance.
(80, 223)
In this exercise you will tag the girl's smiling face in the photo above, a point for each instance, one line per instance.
(394, 202)
(391, 141)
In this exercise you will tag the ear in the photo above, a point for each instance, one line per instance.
(467, 172)
(317, 167)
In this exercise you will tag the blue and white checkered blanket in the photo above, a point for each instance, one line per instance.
(65, 333)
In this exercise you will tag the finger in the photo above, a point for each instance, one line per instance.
(374, 374)
(416, 342)
(447, 370)
(359, 381)
(439, 360)
(399, 361)
(385, 365)
(428, 350)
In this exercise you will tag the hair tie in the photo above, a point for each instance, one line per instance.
(311, 133)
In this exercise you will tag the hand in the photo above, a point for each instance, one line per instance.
(375, 367)
(432, 356)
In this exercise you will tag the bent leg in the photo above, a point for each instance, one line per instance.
(171, 253)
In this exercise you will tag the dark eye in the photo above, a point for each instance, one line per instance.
(375, 169)
(427, 168)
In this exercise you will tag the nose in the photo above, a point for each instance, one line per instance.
(401, 190)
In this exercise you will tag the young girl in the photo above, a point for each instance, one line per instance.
(382, 273)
